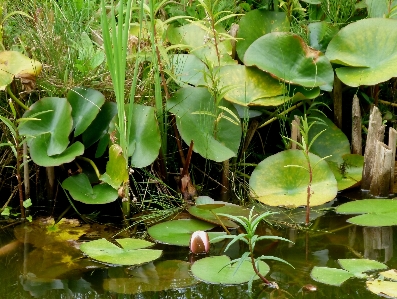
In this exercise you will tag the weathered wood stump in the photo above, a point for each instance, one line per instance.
(357, 147)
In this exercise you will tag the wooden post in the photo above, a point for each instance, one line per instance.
(337, 98)
(380, 183)
(295, 132)
(357, 147)
(392, 145)
(375, 130)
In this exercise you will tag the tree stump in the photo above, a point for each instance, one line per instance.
(380, 183)
(357, 141)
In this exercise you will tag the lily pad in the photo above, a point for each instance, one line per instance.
(356, 48)
(376, 212)
(359, 266)
(215, 269)
(330, 276)
(320, 34)
(383, 288)
(178, 232)
(188, 69)
(349, 173)
(287, 57)
(153, 277)
(80, 189)
(389, 274)
(281, 180)
(132, 252)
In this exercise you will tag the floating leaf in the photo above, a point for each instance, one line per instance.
(276, 181)
(389, 274)
(331, 276)
(287, 57)
(359, 266)
(349, 172)
(377, 212)
(215, 269)
(356, 48)
(320, 34)
(80, 189)
(133, 251)
(116, 168)
(188, 69)
(383, 288)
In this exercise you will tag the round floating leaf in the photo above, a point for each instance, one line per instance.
(357, 48)
(52, 115)
(214, 130)
(330, 276)
(257, 23)
(381, 9)
(116, 167)
(287, 57)
(383, 288)
(390, 274)
(247, 84)
(349, 173)
(188, 69)
(320, 34)
(153, 277)
(80, 189)
(178, 232)
(215, 269)
(377, 212)
(38, 151)
(86, 103)
(276, 181)
(16, 65)
(131, 253)
(359, 266)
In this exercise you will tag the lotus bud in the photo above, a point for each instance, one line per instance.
(199, 242)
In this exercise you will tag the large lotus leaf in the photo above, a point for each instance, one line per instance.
(331, 276)
(116, 168)
(350, 172)
(86, 103)
(320, 34)
(132, 252)
(52, 115)
(38, 151)
(257, 23)
(332, 142)
(188, 69)
(281, 180)
(287, 57)
(390, 274)
(198, 119)
(246, 84)
(153, 277)
(99, 127)
(359, 266)
(377, 212)
(215, 269)
(200, 43)
(178, 232)
(383, 288)
(381, 9)
(16, 65)
(366, 50)
(80, 189)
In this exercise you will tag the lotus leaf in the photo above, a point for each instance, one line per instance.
(349, 173)
(331, 276)
(383, 288)
(359, 266)
(188, 69)
(320, 34)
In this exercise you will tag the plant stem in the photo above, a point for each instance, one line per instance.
(281, 114)
(254, 264)
(91, 163)
(16, 99)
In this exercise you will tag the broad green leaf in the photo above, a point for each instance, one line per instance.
(287, 57)
(381, 9)
(152, 277)
(257, 23)
(80, 189)
(247, 84)
(132, 252)
(331, 276)
(116, 168)
(320, 34)
(215, 269)
(281, 180)
(188, 69)
(178, 232)
(38, 151)
(54, 117)
(383, 288)
(377, 212)
(348, 173)
(217, 139)
(86, 103)
(359, 266)
(16, 65)
(357, 48)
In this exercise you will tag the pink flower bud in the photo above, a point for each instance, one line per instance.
(199, 242)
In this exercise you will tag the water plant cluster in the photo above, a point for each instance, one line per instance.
(149, 109)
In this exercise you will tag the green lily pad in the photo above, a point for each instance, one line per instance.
(132, 252)
(356, 48)
(178, 232)
(377, 212)
(257, 23)
(275, 183)
(215, 133)
(381, 9)
(383, 288)
(287, 57)
(215, 269)
(359, 266)
(116, 168)
(320, 34)
(80, 189)
(188, 69)
(153, 277)
(16, 65)
(86, 103)
(349, 173)
(330, 276)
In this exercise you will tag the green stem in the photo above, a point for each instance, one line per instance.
(92, 164)
(263, 278)
(221, 223)
(16, 99)
(281, 114)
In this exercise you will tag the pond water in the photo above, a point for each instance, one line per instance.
(30, 269)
